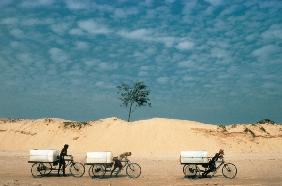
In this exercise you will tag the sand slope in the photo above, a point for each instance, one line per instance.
(153, 138)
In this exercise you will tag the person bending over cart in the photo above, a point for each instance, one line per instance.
(64, 152)
(211, 164)
(117, 161)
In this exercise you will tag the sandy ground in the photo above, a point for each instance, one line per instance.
(155, 144)
(252, 170)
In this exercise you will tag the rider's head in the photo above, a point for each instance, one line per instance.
(221, 151)
(66, 146)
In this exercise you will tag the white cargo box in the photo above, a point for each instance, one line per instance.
(48, 155)
(99, 157)
(193, 157)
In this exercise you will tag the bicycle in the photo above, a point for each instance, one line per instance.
(40, 169)
(99, 170)
(228, 170)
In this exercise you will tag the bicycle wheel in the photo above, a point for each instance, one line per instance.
(48, 168)
(229, 170)
(98, 171)
(77, 169)
(37, 170)
(133, 170)
(90, 171)
(190, 170)
(184, 169)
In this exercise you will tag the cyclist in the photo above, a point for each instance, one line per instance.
(64, 152)
(212, 165)
(117, 161)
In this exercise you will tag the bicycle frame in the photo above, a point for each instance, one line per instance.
(199, 170)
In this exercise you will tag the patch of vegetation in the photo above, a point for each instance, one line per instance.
(75, 124)
(254, 124)
(234, 126)
(15, 120)
(262, 129)
(49, 120)
(247, 130)
(266, 121)
(222, 127)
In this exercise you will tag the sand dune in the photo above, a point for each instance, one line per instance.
(154, 138)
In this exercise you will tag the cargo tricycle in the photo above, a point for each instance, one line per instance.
(197, 162)
(102, 163)
(46, 161)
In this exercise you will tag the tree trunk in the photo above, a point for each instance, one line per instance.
(129, 112)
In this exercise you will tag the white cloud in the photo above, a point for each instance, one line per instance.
(269, 85)
(214, 2)
(274, 32)
(107, 66)
(185, 45)
(60, 28)
(102, 84)
(122, 13)
(36, 21)
(163, 80)
(81, 45)
(188, 78)
(140, 34)
(166, 40)
(9, 21)
(36, 3)
(93, 27)
(16, 44)
(143, 73)
(5, 2)
(145, 68)
(266, 53)
(148, 35)
(188, 6)
(186, 64)
(18, 33)
(76, 31)
(74, 4)
(58, 54)
(219, 53)
(24, 57)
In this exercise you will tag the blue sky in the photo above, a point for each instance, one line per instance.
(213, 61)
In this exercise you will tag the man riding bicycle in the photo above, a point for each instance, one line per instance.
(64, 152)
(117, 161)
(211, 164)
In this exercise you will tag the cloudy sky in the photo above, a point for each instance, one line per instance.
(213, 61)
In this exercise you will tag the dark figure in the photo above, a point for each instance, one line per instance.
(117, 161)
(212, 165)
(64, 152)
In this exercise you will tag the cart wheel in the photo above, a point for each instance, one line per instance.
(90, 171)
(190, 170)
(37, 170)
(48, 168)
(77, 169)
(229, 170)
(184, 169)
(133, 170)
(98, 171)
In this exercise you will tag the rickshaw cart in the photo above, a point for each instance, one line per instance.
(99, 170)
(195, 166)
(44, 168)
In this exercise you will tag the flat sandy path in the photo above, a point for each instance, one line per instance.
(15, 170)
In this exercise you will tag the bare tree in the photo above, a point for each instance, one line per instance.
(134, 96)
